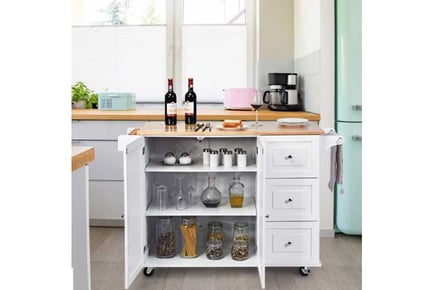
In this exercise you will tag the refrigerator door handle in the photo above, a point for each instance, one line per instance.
(357, 138)
(356, 107)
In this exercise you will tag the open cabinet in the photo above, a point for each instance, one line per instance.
(281, 200)
(143, 169)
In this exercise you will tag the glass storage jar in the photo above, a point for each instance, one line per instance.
(211, 196)
(188, 230)
(166, 239)
(240, 251)
(241, 232)
(214, 249)
(215, 231)
(236, 192)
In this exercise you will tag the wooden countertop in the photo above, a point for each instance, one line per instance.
(159, 129)
(157, 114)
(81, 155)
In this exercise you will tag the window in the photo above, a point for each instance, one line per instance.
(135, 45)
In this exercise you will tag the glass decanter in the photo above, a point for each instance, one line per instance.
(236, 192)
(211, 196)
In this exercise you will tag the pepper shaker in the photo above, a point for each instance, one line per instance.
(242, 159)
(214, 159)
(227, 158)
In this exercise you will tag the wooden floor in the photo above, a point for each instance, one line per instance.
(341, 259)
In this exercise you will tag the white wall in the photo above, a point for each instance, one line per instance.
(306, 27)
(275, 33)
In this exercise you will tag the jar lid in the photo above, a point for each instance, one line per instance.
(223, 149)
(240, 225)
(214, 152)
(207, 150)
(188, 219)
(214, 224)
(229, 152)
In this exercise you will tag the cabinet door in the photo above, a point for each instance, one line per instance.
(291, 199)
(349, 60)
(134, 202)
(348, 196)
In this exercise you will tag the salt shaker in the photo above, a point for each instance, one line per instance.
(214, 159)
(206, 156)
(242, 159)
(221, 153)
(227, 158)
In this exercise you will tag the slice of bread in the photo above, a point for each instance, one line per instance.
(232, 124)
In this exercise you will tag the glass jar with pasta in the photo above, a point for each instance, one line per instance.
(188, 229)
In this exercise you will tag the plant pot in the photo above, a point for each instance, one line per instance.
(79, 105)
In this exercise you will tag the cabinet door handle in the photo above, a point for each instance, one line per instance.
(267, 216)
(288, 200)
(122, 216)
(356, 107)
(288, 244)
(357, 138)
(288, 157)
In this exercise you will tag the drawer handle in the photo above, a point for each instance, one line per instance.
(122, 216)
(288, 157)
(267, 216)
(288, 244)
(288, 200)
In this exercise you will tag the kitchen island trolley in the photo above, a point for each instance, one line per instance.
(281, 202)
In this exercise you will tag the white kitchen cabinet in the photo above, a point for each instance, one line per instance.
(106, 173)
(291, 201)
(281, 234)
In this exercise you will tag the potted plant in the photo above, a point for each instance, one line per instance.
(83, 97)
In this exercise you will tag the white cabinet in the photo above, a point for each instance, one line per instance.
(106, 172)
(291, 201)
(281, 204)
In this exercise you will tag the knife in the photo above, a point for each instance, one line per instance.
(208, 125)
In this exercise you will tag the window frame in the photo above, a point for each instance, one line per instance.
(174, 22)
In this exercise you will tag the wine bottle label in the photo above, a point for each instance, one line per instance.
(171, 109)
(189, 108)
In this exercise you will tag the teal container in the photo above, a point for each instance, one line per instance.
(110, 101)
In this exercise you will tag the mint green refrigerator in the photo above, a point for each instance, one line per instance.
(348, 196)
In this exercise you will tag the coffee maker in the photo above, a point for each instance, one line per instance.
(282, 95)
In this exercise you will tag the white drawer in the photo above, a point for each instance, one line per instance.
(106, 200)
(102, 130)
(292, 244)
(291, 200)
(297, 156)
(108, 160)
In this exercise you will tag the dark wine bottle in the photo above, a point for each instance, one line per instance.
(170, 104)
(190, 104)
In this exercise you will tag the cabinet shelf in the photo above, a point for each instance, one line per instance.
(203, 261)
(198, 209)
(157, 166)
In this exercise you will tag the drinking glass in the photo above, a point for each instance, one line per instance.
(256, 104)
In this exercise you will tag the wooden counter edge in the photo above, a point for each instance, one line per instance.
(81, 155)
(206, 115)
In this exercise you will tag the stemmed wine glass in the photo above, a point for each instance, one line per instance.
(256, 104)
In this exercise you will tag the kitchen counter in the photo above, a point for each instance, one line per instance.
(267, 129)
(208, 114)
(81, 155)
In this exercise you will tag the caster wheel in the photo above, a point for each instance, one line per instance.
(304, 271)
(148, 271)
